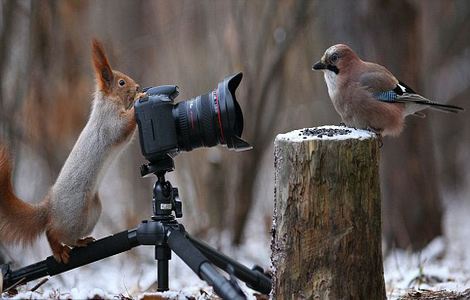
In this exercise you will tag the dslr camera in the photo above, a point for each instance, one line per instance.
(166, 128)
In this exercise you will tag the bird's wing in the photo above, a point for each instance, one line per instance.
(386, 88)
(377, 78)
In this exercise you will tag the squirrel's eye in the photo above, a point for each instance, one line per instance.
(334, 58)
(121, 82)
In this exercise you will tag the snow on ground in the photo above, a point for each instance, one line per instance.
(443, 265)
(131, 274)
(134, 275)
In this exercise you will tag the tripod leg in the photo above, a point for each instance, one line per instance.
(95, 251)
(162, 276)
(162, 255)
(255, 278)
(202, 267)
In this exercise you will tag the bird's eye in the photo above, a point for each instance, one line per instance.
(334, 58)
(121, 82)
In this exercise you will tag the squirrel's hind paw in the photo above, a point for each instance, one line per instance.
(60, 251)
(62, 254)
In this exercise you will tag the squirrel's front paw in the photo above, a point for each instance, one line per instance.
(139, 95)
(132, 101)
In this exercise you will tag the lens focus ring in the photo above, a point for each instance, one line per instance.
(209, 135)
(184, 127)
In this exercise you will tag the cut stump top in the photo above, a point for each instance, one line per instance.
(328, 132)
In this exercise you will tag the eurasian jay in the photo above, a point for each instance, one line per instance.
(367, 95)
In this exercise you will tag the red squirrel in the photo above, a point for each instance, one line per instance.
(70, 210)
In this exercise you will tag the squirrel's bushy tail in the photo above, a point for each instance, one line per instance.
(20, 222)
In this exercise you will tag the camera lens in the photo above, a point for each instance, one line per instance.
(211, 119)
(195, 125)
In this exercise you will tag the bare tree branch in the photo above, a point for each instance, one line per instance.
(8, 10)
(293, 29)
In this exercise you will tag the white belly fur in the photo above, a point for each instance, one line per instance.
(330, 79)
(74, 209)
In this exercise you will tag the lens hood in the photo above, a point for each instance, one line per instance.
(231, 114)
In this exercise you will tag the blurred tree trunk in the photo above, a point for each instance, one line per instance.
(244, 194)
(52, 48)
(7, 8)
(446, 56)
(256, 37)
(123, 48)
(410, 190)
(263, 98)
(214, 204)
(412, 204)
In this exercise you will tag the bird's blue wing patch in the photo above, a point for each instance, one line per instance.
(387, 96)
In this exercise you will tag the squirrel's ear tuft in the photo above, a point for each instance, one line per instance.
(103, 71)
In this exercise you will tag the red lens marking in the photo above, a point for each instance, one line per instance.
(192, 119)
(218, 116)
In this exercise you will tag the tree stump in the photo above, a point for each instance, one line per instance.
(327, 224)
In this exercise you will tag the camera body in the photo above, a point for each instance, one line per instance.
(207, 120)
(154, 116)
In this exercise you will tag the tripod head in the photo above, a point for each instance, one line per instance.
(163, 165)
(165, 197)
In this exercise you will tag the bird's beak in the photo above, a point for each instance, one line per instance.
(319, 66)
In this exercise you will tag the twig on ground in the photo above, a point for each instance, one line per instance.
(436, 295)
(44, 280)
(10, 288)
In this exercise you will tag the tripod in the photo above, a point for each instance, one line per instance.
(167, 235)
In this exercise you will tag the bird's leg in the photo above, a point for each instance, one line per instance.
(381, 142)
(378, 133)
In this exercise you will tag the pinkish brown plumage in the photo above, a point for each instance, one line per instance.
(367, 95)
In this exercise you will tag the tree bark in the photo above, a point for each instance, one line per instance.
(327, 223)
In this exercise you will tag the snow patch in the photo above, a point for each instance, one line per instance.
(328, 132)
(443, 265)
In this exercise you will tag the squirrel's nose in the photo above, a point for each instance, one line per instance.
(137, 88)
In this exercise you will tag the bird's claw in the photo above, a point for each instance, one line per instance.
(378, 133)
(381, 142)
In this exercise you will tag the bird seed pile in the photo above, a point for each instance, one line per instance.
(320, 132)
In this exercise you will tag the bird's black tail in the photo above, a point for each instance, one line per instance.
(446, 107)
(420, 100)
